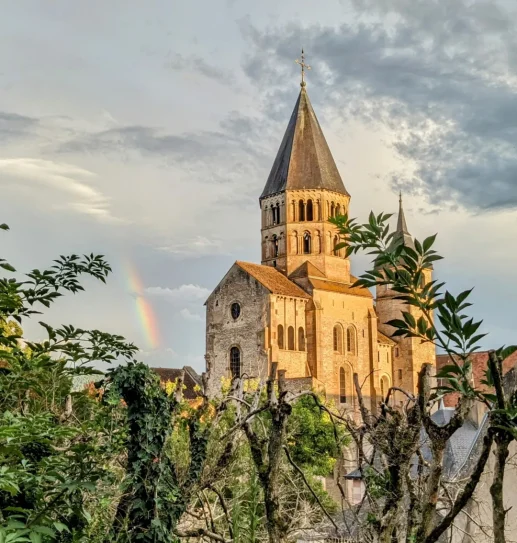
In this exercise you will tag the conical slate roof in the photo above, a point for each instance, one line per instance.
(304, 160)
(402, 234)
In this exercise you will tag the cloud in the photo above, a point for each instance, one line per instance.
(182, 293)
(64, 180)
(199, 65)
(188, 148)
(441, 76)
(14, 126)
(158, 353)
(195, 247)
(189, 316)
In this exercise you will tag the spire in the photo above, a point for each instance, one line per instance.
(402, 234)
(304, 160)
(401, 224)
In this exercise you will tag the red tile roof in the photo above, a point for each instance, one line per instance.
(191, 380)
(479, 365)
(272, 279)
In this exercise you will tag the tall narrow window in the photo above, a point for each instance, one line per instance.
(280, 332)
(338, 210)
(310, 211)
(276, 214)
(332, 209)
(301, 210)
(400, 375)
(335, 244)
(235, 362)
(275, 246)
(272, 215)
(338, 339)
(290, 338)
(385, 385)
(342, 386)
(301, 339)
(307, 243)
(350, 339)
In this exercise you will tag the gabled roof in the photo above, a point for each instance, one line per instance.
(381, 338)
(191, 379)
(343, 288)
(272, 279)
(307, 269)
(304, 160)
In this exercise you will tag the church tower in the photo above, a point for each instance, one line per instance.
(409, 353)
(303, 190)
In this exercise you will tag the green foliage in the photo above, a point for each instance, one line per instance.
(55, 445)
(404, 270)
(312, 440)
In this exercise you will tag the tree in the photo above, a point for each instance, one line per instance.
(53, 446)
(403, 502)
(265, 418)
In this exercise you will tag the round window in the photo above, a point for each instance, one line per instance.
(236, 310)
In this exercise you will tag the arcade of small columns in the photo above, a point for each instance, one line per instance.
(301, 209)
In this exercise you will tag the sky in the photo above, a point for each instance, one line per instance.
(145, 131)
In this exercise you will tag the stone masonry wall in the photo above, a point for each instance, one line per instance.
(248, 332)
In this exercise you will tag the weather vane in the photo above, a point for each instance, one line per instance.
(302, 64)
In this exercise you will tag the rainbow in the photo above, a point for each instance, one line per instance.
(144, 309)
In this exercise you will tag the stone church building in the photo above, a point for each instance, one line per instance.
(298, 307)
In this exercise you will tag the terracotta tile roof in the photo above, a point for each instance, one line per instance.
(320, 284)
(192, 379)
(273, 280)
(381, 338)
(479, 365)
(307, 269)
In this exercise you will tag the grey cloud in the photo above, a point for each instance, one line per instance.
(441, 75)
(13, 125)
(183, 147)
(198, 64)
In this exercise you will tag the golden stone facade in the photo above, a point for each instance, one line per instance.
(298, 307)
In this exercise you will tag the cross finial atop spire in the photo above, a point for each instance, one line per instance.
(303, 66)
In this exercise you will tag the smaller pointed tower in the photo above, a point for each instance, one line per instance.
(409, 353)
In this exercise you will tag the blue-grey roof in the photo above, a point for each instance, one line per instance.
(459, 445)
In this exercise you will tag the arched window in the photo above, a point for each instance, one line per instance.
(385, 385)
(332, 209)
(350, 339)
(310, 214)
(276, 214)
(342, 386)
(338, 339)
(275, 246)
(335, 243)
(307, 243)
(280, 332)
(301, 339)
(235, 362)
(271, 215)
(290, 338)
(338, 210)
(301, 210)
